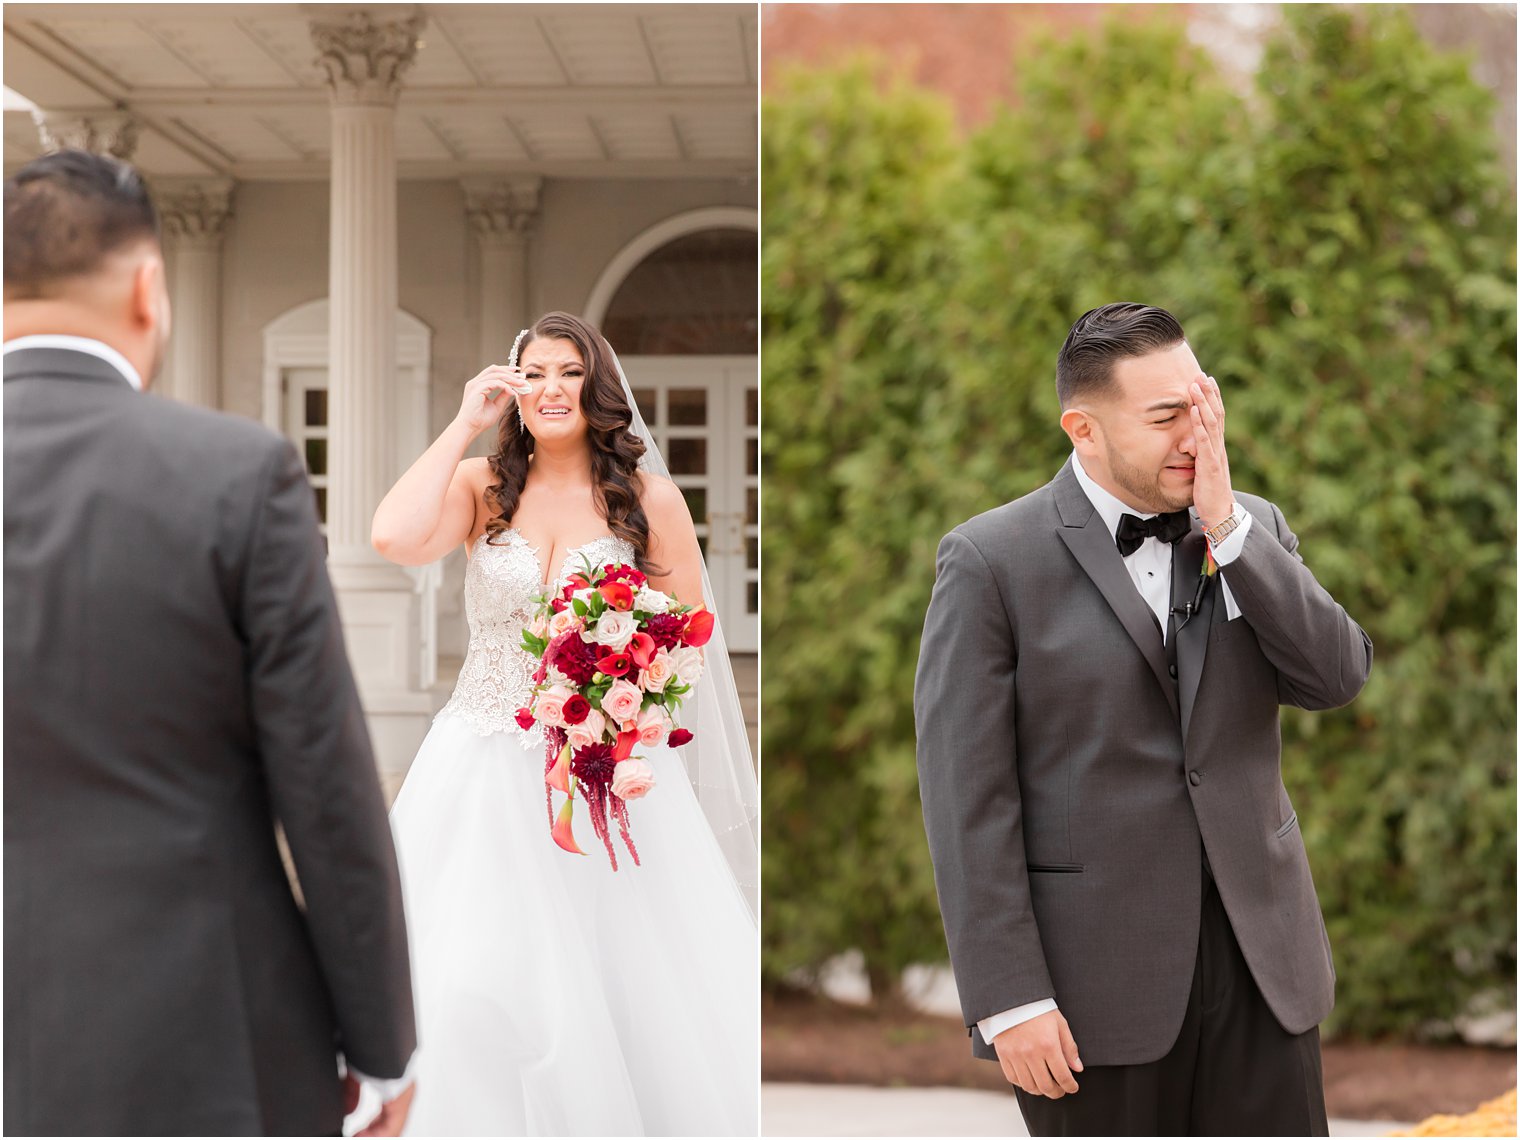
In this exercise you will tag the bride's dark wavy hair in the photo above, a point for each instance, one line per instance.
(615, 449)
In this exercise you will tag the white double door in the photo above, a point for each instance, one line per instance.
(703, 412)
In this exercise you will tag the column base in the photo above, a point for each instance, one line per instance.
(379, 607)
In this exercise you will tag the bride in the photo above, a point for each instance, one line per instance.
(556, 996)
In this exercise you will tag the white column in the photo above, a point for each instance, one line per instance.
(501, 211)
(194, 215)
(364, 59)
(364, 54)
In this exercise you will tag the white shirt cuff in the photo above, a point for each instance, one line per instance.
(1229, 550)
(998, 1022)
(386, 1088)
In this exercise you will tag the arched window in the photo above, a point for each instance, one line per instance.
(693, 296)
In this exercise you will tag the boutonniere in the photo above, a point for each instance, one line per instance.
(1209, 567)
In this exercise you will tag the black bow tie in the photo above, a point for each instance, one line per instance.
(1134, 530)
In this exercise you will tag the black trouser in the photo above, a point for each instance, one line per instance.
(1233, 1070)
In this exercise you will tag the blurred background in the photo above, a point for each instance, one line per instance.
(363, 205)
(1325, 197)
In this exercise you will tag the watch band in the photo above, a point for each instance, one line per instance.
(1223, 529)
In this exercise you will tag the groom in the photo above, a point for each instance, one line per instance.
(175, 686)
(1133, 928)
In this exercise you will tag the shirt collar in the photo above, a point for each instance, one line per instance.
(79, 344)
(1108, 506)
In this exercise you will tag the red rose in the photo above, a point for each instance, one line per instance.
(615, 664)
(619, 595)
(525, 719)
(577, 709)
(641, 648)
(699, 628)
(559, 604)
(679, 737)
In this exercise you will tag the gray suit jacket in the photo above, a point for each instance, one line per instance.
(175, 682)
(1070, 787)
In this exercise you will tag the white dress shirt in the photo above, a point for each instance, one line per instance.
(386, 1089)
(1150, 568)
(79, 344)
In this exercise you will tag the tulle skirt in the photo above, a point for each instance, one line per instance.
(556, 997)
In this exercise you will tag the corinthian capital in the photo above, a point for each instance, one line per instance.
(365, 57)
(501, 209)
(100, 132)
(194, 212)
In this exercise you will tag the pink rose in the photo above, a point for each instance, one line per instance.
(539, 626)
(589, 731)
(622, 702)
(631, 779)
(563, 622)
(653, 726)
(656, 675)
(550, 706)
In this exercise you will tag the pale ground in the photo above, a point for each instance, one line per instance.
(855, 1110)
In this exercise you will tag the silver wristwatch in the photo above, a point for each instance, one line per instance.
(1222, 530)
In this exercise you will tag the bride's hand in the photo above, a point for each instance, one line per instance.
(490, 395)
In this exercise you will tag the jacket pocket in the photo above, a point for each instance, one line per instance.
(1289, 826)
(1056, 868)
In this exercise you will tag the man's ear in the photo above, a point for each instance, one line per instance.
(1080, 428)
(148, 285)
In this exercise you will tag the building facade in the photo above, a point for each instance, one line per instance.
(363, 206)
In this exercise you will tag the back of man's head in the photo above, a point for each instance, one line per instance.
(66, 215)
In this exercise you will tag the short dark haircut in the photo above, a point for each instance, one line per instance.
(1085, 368)
(65, 213)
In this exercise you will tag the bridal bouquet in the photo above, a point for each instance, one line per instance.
(615, 660)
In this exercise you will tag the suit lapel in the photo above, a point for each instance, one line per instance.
(1084, 534)
(1192, 638)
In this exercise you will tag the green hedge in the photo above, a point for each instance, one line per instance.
(1340, 246)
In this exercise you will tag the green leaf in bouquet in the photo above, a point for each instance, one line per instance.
(580, 607)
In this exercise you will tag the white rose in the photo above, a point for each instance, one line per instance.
(615, 629)
(651, 601)
(687, 662)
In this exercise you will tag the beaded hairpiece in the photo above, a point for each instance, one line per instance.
(522, 424)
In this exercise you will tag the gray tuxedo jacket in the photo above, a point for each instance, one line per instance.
(175, 683)
(1071, 785)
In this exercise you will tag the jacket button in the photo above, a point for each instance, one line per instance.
(1172, 669)
(1195, 777)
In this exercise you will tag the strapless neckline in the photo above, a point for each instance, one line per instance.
(539, 562)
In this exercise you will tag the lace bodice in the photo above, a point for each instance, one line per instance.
(500, 585)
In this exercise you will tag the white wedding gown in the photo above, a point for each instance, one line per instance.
(555, 996)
